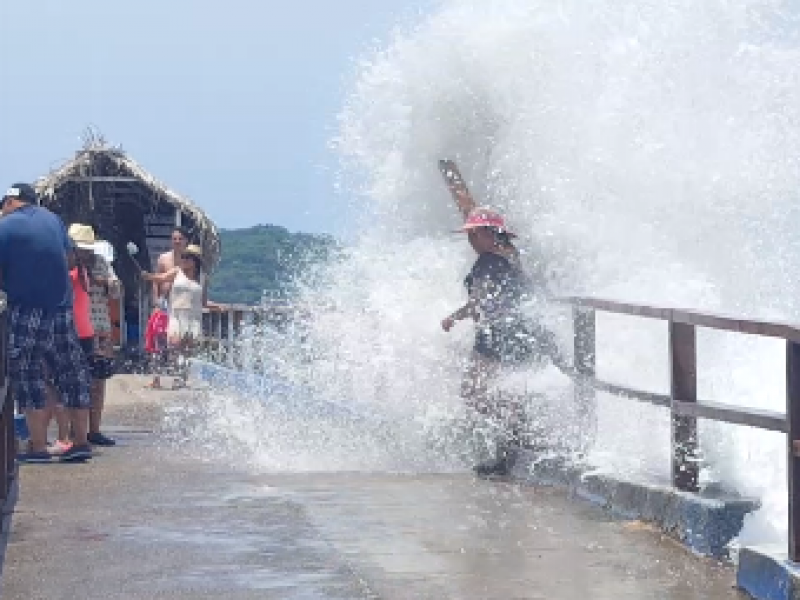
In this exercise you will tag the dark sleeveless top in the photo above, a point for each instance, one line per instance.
(502, 286)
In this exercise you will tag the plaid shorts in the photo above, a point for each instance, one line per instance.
(38, 337)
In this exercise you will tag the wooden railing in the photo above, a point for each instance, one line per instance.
(682, 401)
(222, 328)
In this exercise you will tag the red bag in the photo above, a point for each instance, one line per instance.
(155, 336)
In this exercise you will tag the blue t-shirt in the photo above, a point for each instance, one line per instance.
(33, 259)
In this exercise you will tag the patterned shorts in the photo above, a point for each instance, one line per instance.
(38, 337)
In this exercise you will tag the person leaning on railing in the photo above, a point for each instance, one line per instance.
(41, 328)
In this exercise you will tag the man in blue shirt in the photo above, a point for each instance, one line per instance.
(34, 247)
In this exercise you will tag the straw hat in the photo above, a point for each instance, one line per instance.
(82, 235)
(194, 250)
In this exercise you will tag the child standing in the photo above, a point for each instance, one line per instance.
(156, 343)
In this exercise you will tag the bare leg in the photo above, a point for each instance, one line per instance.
(105, 348)
(62, 420)
(475, 390)
(55, 409)
(37, 420)
(480, 373)
(186, 352)
(79, 418)
(98, 400)
(158, 363)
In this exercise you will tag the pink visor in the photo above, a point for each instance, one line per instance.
(486, 219)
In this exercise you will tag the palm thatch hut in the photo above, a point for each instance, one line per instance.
(103, 187)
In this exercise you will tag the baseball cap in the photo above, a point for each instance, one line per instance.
(22, 191)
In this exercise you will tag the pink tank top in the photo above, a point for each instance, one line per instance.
(81, 306)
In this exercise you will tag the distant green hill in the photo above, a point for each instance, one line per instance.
(265, 259)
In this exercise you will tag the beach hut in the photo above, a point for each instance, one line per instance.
(103, 187)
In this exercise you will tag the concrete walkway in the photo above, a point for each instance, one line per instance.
(144, 520)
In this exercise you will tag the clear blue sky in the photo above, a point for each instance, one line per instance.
(231, 103)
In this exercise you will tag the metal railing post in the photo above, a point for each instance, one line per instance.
(584, 362)
(217, 319)
(231, 337)
(793, 445)
(683, 387)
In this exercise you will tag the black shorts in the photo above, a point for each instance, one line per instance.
(100, 367)
(515, 340)
(87, 345)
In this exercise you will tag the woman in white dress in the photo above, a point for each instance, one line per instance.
(186, 302)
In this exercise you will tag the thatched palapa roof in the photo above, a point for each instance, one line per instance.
(104, 187)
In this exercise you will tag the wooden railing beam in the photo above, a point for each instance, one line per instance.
(584, 364)
(683, 385)
(793, 446)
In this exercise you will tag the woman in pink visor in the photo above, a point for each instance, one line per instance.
(497, 286)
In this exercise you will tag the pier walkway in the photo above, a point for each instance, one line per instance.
(149, 519)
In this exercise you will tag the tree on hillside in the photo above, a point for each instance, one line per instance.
(265, 259)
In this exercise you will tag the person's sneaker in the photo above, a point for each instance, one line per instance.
(77, 454)
(98, 439)
(34, 457)
(500, 466)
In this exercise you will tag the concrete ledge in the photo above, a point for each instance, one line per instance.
(767, 574)
(704, 524)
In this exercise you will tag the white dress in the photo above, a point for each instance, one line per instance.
(185, 307)
(101, 320)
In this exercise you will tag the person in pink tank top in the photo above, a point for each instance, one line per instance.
(82, 308)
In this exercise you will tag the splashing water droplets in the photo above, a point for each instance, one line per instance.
(643, 150)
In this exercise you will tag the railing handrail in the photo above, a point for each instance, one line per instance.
(710, 320)
(246, 308)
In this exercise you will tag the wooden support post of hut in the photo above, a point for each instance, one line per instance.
(103, 187)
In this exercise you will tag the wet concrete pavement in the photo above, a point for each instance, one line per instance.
(144, 520)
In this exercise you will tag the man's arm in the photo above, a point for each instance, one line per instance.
(167, 277)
